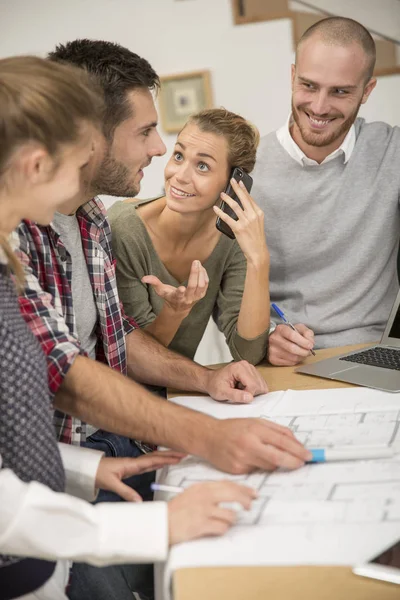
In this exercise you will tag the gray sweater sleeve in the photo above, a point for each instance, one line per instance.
(227, 310)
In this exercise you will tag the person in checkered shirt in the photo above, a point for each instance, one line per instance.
(97, 357)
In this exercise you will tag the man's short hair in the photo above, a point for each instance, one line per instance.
(115, 68)
(343, 32)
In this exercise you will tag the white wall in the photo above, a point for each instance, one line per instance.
(250, 64)
(382, 16)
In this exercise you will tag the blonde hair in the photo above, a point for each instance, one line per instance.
(242, 137)
(43, 102)
(13, 262)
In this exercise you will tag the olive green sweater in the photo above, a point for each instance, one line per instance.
(226, 268)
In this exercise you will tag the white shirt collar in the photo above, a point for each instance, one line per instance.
(288, 143)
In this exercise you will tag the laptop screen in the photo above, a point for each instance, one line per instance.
(390, 557)
(391, 337)
(395, 328)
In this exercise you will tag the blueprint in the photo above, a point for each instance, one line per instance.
(347, 492)
(344, 429)
(330, 513)
(330, 493)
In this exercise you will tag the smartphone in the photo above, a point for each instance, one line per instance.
(385, 566)
(239, 175)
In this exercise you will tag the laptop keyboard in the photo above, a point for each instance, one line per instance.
(377, 357)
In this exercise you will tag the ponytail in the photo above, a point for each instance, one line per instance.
(14, 265)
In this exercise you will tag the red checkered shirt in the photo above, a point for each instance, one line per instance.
(47, 305)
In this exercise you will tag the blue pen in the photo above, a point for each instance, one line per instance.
(281, 314)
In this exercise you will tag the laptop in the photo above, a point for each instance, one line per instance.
(375, 367)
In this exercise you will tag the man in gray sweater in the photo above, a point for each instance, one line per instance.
(329, 185)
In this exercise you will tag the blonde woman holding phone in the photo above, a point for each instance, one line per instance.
(175, 269)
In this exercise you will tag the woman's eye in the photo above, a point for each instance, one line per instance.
(204, 167)
(178, 156)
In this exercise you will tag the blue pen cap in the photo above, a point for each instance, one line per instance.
(318, 455)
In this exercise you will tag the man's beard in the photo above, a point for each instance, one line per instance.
(114, 179)
(321, 139)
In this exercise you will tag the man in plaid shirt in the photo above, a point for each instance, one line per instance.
(58, 307)
(48, 307)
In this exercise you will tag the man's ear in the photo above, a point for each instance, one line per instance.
(368, 89)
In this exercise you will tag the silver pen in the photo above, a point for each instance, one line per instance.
(161, 487)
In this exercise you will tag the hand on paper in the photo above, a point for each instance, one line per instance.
(112, 471)
(238, 382)
(244, 445)
(196, 512)
(287, 347)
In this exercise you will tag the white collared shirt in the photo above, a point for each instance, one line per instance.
(37, 522)
(288, 143)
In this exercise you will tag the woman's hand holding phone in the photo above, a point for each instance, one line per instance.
(249, 228)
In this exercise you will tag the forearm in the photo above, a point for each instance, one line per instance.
(150, 363)
(106, 399)
(254, 315)
(165, 325)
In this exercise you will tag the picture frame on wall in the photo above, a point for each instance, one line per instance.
(182, 95)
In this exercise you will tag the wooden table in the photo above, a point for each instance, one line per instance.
(286, 582)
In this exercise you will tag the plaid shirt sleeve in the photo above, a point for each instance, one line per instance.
(38, 309)
(128, 322)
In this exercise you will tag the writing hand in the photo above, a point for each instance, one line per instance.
(287, 347)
